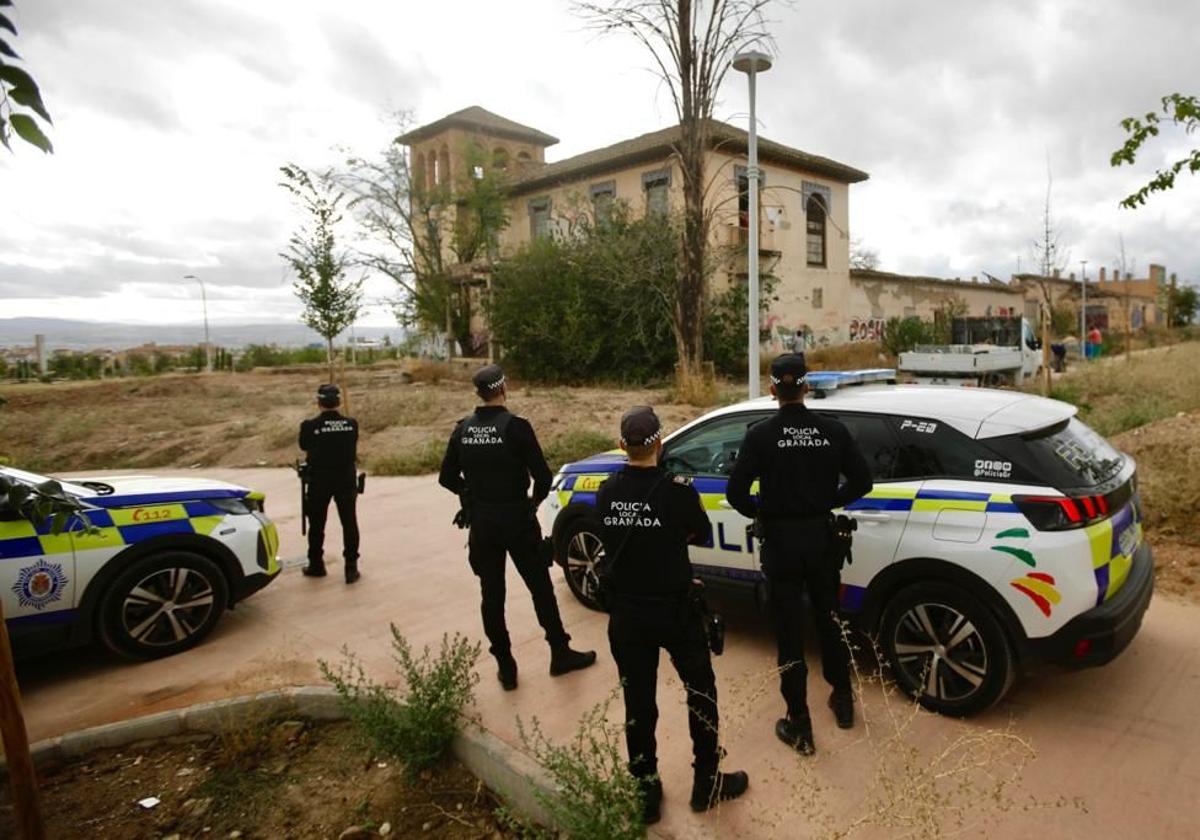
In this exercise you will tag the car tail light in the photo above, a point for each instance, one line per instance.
(1062, 513)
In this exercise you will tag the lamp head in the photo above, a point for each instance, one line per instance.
(752, 61)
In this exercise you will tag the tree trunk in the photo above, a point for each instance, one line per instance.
(22, 779)
(329, 355)
(693, 133)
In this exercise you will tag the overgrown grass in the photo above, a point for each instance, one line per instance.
(576, 444)
(419, 459)
(416, 723)
(860, 354)
(1115, 395)
(379, 410)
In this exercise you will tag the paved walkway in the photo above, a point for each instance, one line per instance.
(1121, 740)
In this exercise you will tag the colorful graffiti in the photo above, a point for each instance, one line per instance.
(866, 329)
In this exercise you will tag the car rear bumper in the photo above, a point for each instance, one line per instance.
(1097, 636)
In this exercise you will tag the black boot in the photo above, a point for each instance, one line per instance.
(842, 703)
(314, 569)
(507, 672)
(711, 788)
(797, 734)
(651, 800)
(563, 660)
(352, 573)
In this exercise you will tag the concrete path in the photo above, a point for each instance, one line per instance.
(1114, 749)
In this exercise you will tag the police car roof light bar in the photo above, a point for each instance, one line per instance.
(831, 380)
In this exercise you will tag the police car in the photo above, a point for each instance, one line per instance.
(1001, 532)
(162, 559)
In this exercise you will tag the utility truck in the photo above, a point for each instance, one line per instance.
(987, 351)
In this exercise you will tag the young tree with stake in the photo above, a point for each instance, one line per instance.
(331, 301)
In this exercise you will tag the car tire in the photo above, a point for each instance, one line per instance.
(946, 649)
(141, 616)
(579, 548)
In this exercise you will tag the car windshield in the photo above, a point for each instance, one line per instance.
(33, 479)
(1066, 455)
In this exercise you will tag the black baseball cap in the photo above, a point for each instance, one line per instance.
(329, 394)
(640, 426)
(788, 370)
(488, 380)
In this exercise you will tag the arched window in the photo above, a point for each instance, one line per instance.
(523, 159)
(814, 212)
(418, 171)
(444, 166)
(431, 171)
(500, 158)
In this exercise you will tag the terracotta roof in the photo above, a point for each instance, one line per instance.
(658, 145)
(479, 119)
(867, 274)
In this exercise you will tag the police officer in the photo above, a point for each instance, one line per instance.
(648, 517)
(800, 459)
(490, 458)
(330, 442)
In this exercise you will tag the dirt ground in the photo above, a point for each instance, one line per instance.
(288, 779)
(251, 419)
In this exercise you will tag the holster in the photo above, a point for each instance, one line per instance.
(714, 625)
(841, 533)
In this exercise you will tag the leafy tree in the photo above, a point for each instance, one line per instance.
(1184, 303)
(580, 307)
(691, 45)
(725, 319)
(414, 232)
(331, 302)
(903, 334)
(1181, 110)
(20, 99)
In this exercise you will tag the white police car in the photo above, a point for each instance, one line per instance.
(166, 557)
(1001, 531)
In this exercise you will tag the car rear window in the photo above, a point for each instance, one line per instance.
(1065, 455)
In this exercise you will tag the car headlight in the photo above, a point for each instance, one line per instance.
(237, 507)
(557, 482)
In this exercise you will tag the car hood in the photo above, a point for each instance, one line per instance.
(148, 489)
(601, 462)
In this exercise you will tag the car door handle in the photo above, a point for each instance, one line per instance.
(870, 516)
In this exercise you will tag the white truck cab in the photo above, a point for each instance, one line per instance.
(982, 351)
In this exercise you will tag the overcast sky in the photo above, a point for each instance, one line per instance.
(172, 117)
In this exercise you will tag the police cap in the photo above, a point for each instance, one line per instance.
(488, 380)
(788, 370)
(640, 426)
(329, 395)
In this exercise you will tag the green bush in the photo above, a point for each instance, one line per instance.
(596, 797)
(903, 334)
(725, 324)
(416, 724)
(589, 306)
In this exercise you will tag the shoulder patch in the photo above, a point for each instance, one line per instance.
(685, 480)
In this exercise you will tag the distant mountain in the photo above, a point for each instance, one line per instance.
(85, 335)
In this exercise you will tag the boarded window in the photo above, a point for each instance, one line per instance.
(603, 197)
(818, 297)
(657, 186)
(539, 218)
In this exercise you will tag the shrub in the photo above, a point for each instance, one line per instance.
(415, 725)
(903, 334)
(596, 797)
(576, 444)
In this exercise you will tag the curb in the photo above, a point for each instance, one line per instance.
(510, 773)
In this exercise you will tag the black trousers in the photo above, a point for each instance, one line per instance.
(637, 629)
(797, 556)
(492, 537)
(344, 493)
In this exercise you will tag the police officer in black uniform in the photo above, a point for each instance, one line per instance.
(330, 442)
(648, 517)
(806, 465)
(489, 461)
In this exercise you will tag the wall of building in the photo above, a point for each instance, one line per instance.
(874, 300)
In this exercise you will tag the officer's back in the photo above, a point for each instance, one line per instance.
(330, 441)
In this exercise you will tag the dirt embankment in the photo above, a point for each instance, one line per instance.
(1168, 457)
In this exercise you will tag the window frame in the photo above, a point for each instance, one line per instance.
(597, 191)
(809, 234)
(653, 179)
(749, 417)
(536, 205)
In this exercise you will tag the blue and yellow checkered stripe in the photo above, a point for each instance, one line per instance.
(115, 528)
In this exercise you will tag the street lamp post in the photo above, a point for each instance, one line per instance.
(204, 302)
(1083, 308)
(752, 63)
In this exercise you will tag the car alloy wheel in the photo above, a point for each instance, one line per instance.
(167, 607)
(939, 649)
(582, 550)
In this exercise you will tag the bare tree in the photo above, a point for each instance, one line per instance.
(862, 257)
(1051, 261)
(1124, 271)
(691, 45)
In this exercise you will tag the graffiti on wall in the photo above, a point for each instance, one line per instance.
(866, 329)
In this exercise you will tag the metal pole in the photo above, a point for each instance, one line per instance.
(207, 342)
(1083, 310)
(752, 246)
